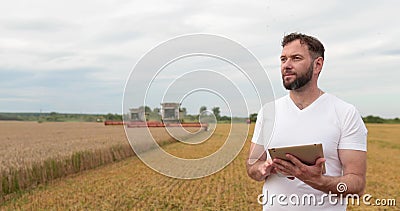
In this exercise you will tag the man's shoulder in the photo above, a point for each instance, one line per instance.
(271, 106)
(342, 109)
(339, 103)
(282, 99)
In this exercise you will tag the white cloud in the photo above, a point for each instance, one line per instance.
(99, 42)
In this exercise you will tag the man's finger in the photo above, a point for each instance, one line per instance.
(279, 164)
(283, 172)
(320, 162)
(284, 167)
(294, 160)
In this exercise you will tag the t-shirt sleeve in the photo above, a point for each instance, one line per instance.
(353, 131)
(258, 128)
(264, 125)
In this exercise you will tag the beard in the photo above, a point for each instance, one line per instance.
(300, 80)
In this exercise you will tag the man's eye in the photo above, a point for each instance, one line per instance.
(297, 58)
(283, 59)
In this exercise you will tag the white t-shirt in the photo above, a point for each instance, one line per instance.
(328, 120)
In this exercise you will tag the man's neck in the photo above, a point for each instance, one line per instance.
(305, 96)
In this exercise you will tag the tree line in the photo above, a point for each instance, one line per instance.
(152, 115)
(60, 117)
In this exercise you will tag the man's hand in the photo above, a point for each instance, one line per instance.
(296, 168)
(354, 167)
(260, 170)
(266, 168)
(258, 167)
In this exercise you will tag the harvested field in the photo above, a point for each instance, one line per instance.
(131, 185)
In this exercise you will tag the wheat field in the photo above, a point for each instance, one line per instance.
(131, 185)
(34, 153)
(24, 143)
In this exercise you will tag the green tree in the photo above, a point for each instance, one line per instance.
(191, 118)
(147, 109)
(225, 118)
(253, 117)
(157, 110)
(217, 113)
(373, 119)
(203, 108)
(115, 117)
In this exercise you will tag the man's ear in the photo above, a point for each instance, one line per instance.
(318, 64)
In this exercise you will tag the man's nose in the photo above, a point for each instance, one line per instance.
(287, 65)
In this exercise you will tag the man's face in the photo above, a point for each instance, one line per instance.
(296, 65)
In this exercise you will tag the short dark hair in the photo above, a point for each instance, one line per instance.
(314, 45)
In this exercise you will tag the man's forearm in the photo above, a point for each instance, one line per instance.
(353, 184)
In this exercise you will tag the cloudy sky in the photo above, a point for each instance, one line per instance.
(76, 56)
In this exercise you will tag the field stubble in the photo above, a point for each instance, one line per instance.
(130, 184)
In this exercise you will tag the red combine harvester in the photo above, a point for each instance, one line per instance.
(170, 114)
(161, 124)
(109, 122)
(156, 124)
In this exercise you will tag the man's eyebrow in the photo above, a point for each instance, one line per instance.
(296, 54)
(292, 55)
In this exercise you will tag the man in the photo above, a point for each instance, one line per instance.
(308, 115)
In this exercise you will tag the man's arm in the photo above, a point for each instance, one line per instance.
(258, 167)
(354, 164)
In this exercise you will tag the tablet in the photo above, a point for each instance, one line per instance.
(308, 154)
